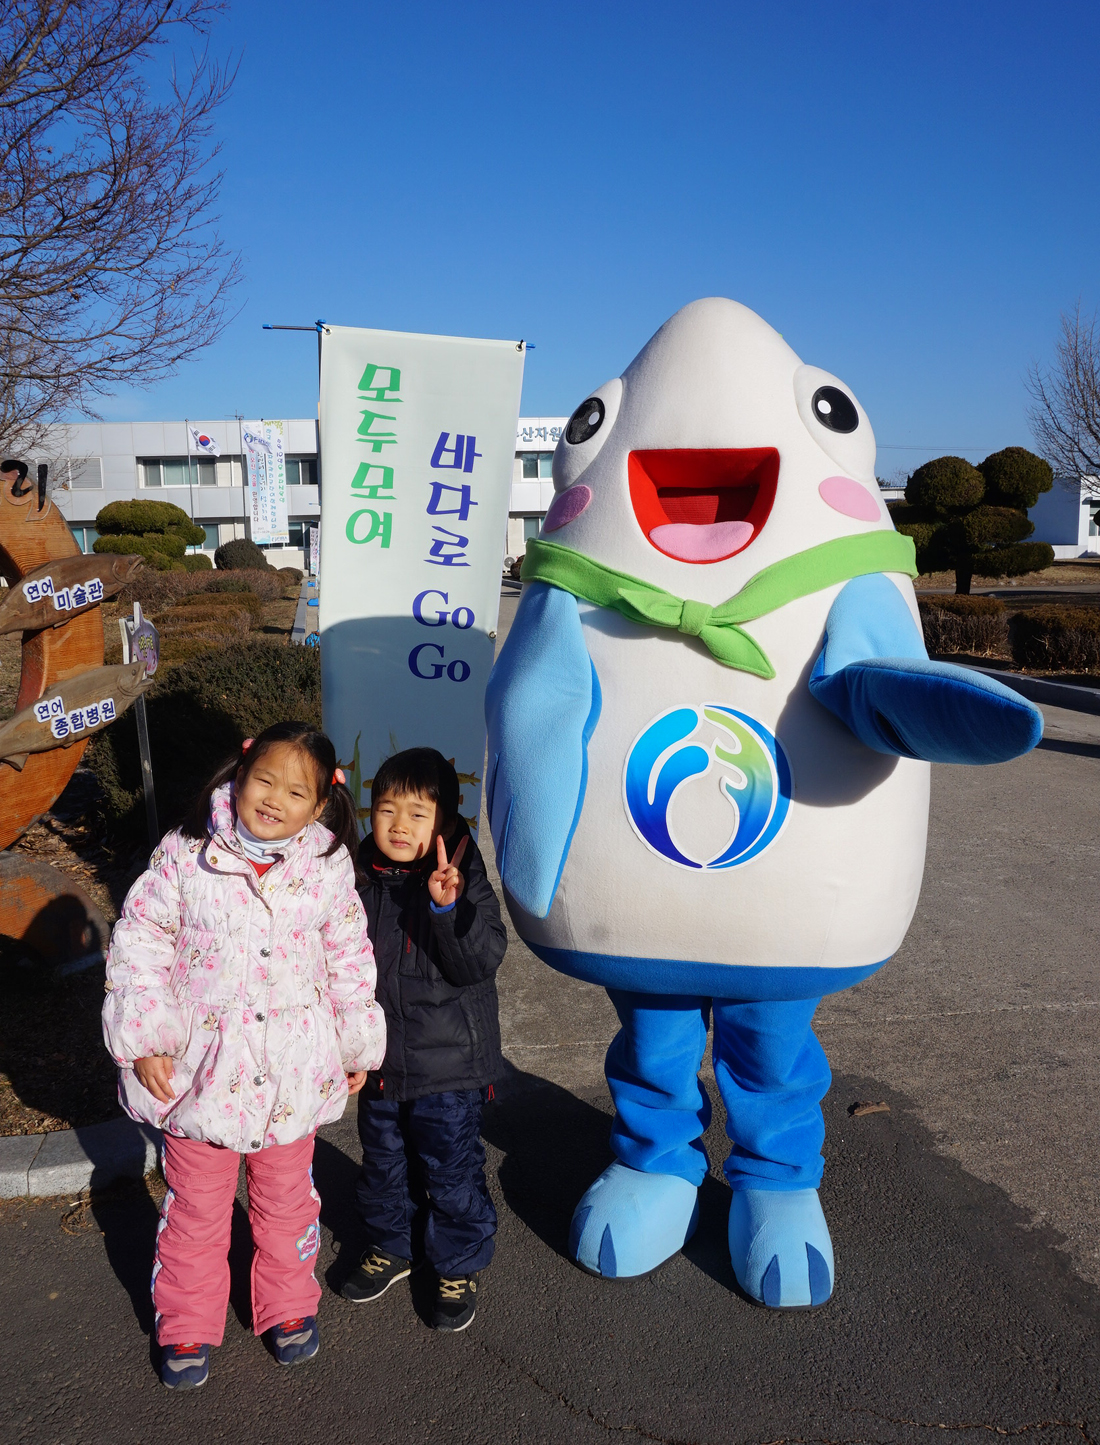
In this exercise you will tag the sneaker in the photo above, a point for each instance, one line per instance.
(373, 1275)
(455, 1303)
(295, 1341)
(184, 1367)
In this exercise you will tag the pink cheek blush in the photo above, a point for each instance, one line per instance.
(567, 507)
(848, 497)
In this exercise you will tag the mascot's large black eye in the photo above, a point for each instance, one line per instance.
(585, 421)
(834, 410)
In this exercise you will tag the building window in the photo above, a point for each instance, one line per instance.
(301, 471)
(546, 464)
(176, 472)
(532, 526)
(81, 476)
(530, 462)
(84, 537)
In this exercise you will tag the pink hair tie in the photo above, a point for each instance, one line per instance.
(246, 744)
(338, 776)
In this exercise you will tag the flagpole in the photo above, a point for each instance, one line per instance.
(190, 486)
(244, 472)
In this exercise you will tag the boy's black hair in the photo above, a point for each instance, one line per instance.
(339, 816)
(419, 770)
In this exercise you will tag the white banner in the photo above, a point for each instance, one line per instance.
(314, 549)
(417, 443)
(266, 464)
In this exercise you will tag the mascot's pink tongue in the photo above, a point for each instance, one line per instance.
(693, 543)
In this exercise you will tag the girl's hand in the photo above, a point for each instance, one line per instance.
(446, 883)
(356, 1081)
(155, 1074)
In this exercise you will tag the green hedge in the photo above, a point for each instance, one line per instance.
(198, 562)
(1057, 639)
(199, 713)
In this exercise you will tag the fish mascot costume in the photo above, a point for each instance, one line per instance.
(710, 731)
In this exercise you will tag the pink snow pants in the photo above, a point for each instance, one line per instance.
(191, 1267)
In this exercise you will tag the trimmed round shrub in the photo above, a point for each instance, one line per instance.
(199, 712)
(1057, 639)
(1014, 560)
(198, 562)
(148, 546)
(944, 484)
(292, 574)
(974, 625)
(995, 526)
(1014, 477)
(149, 519)
(239, 553)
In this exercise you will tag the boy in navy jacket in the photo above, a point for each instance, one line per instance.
(438, 939)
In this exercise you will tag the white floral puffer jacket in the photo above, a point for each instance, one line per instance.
(260, 989)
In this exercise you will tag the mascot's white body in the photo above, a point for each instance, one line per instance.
(699, 830)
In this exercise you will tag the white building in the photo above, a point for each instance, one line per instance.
(100, 462)
(1064, 517)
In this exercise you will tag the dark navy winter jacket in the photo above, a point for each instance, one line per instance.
(436, 974)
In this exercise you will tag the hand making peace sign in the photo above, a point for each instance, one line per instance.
(446, 883)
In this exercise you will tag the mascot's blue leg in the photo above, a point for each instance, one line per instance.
(772, 1074)
(644, 1207)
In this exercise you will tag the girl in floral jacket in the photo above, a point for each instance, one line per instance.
(240, 1010)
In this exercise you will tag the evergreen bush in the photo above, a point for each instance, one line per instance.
(974, 519)
(1057, 639)
(199, 712)
(292, 574)
(198, 562)
(239, 553)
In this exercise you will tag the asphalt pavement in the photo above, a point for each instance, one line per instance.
(965, 1219)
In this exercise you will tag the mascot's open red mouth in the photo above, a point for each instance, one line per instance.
(703, 506)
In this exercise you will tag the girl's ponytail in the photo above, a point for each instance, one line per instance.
(341, 820)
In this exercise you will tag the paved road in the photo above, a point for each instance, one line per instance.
(965, 1220)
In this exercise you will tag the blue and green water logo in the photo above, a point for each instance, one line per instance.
(754, 777)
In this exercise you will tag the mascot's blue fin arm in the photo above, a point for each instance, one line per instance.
(541, 705)
(875, 675)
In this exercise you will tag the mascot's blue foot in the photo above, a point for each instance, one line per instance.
(630, 1222)
(780, 1247)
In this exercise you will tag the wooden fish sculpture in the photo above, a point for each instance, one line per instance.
(52, 594)
(69, 712)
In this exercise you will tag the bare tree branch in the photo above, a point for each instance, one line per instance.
(111, 267)
(1065, 414)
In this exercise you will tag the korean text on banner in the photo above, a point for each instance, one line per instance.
(265, 460)
(418, 439)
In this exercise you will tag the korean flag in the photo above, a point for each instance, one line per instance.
(203, 444)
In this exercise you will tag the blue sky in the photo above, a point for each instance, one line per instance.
(908, 192)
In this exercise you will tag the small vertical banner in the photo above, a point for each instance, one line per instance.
(141, 640)
(418, 439)
(265, 463)
(314, 550)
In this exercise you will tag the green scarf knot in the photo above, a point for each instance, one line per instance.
(694, 618)
(718, 628)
